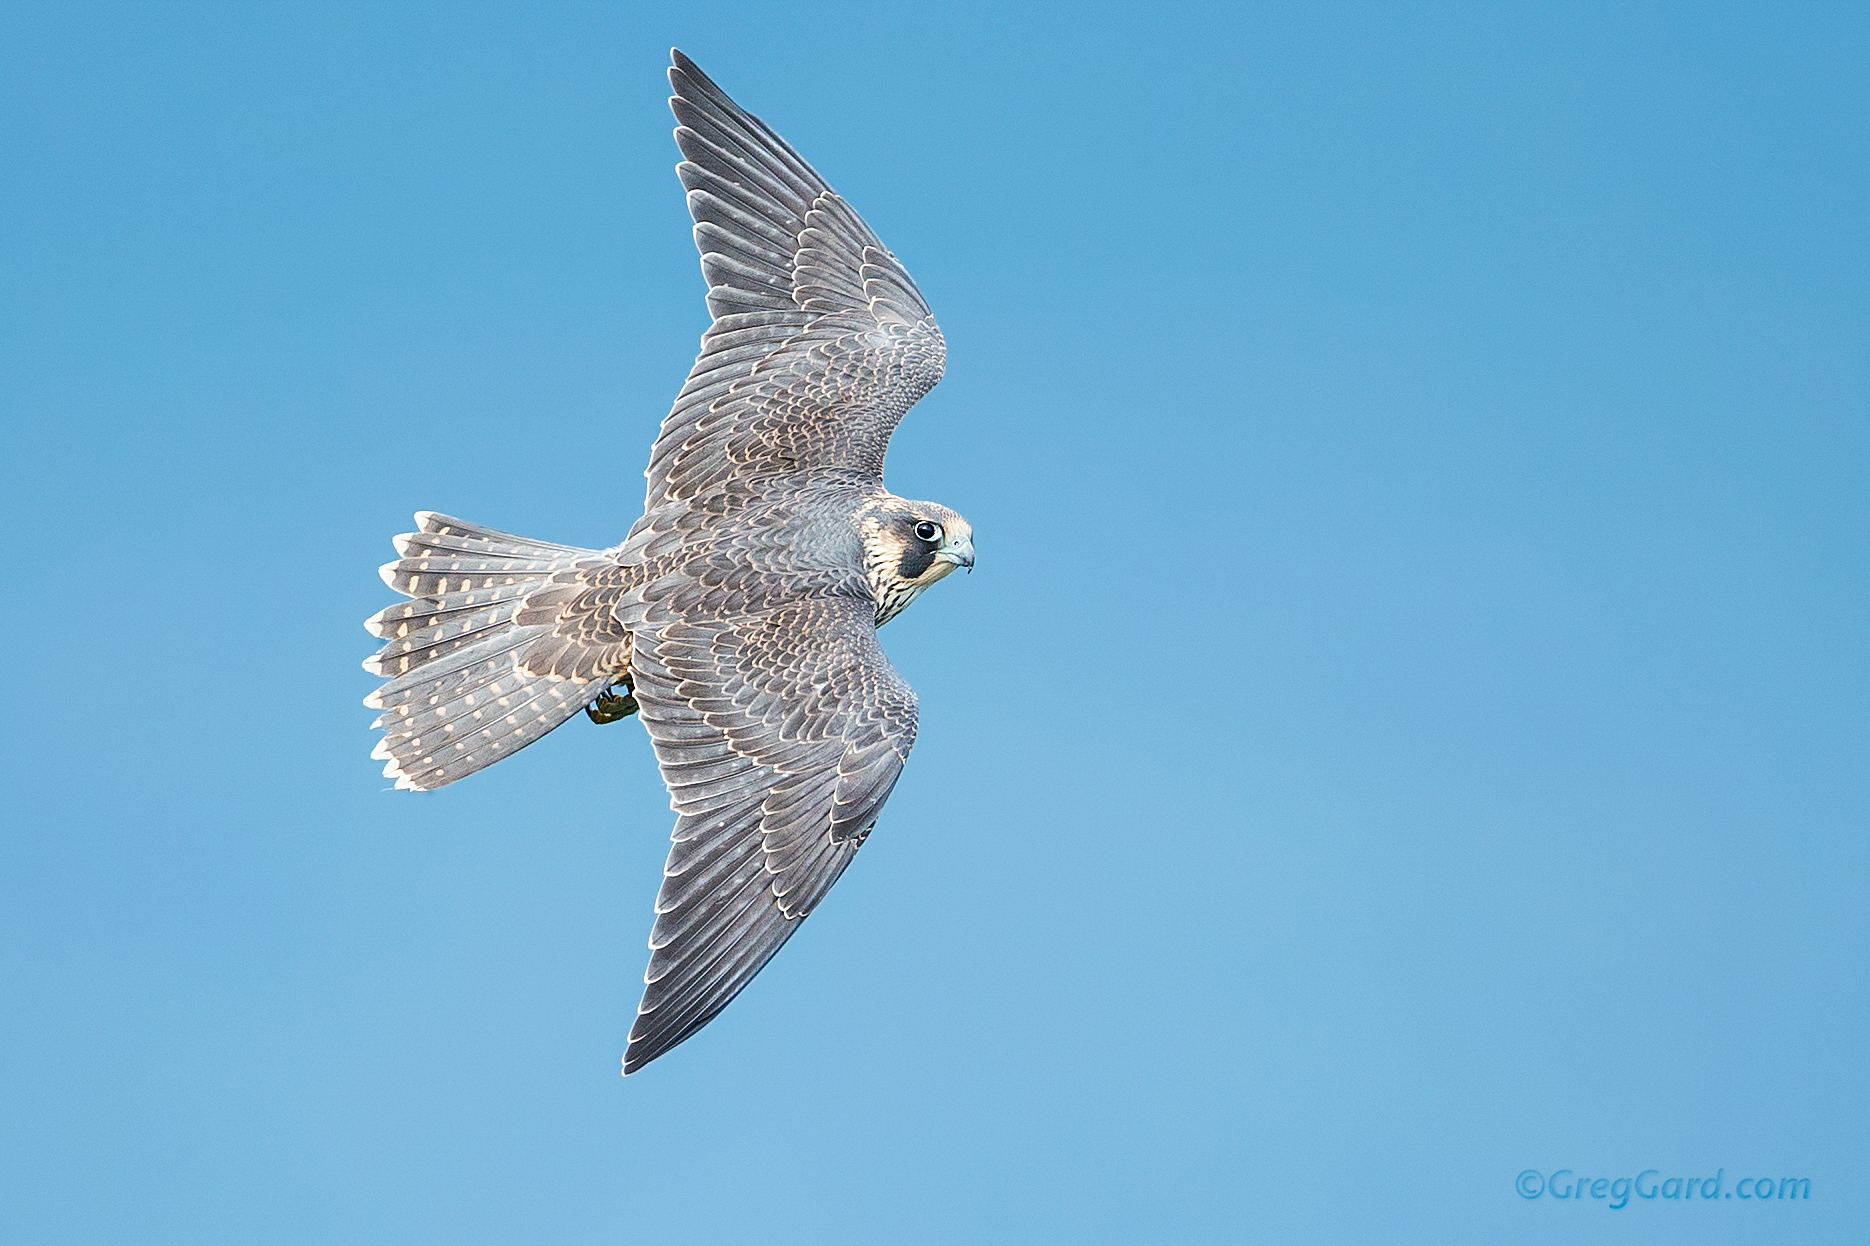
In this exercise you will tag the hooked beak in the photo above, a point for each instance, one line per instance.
(958, 553)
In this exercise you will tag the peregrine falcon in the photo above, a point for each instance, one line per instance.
(739, 617)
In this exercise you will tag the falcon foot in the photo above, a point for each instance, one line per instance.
(611, 706)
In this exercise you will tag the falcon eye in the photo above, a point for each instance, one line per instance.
(926, 531)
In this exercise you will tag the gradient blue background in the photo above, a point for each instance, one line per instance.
(1407, 726)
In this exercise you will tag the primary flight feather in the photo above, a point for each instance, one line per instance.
(740, 614)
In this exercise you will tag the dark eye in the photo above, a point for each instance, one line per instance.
(926, 531)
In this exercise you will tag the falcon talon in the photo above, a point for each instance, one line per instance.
(741, 610)
(610, 707)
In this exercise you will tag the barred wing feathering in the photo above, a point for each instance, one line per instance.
(779, 736)
(820, 340)
(781, 729)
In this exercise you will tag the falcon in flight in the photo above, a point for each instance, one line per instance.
(739, 617)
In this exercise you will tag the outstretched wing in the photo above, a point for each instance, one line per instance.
(780, 736)
(820, 340)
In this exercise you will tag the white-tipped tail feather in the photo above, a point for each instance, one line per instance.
(461, 694)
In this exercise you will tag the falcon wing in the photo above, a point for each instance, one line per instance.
(820, 340)
(780, 736)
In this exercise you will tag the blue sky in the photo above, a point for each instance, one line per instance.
(1407, 725)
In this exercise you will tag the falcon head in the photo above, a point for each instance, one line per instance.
(908, 546)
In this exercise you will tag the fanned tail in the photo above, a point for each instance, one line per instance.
(460, 695)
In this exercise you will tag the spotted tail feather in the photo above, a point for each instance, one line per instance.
(461, 692)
